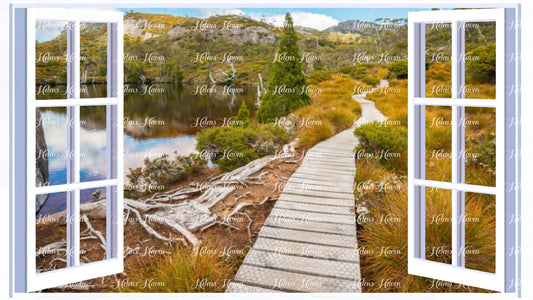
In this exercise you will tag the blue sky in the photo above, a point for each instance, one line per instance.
(317, 18)
(340, 14)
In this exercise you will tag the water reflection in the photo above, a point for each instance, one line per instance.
(162, 119)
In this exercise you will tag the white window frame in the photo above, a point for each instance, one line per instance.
(113, 263)
(504, 278)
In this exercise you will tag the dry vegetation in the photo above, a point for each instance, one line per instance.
(391, 202)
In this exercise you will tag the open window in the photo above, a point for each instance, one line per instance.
(54, 135)
(464, 118)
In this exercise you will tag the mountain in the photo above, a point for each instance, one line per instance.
(222, 49)
(368, 28)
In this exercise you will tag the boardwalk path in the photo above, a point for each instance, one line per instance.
(308, 242)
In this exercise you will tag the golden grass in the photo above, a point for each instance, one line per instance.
(479, 210)
(439, 75)
(392, 102)
(333, 108)
(182, 271)
(378, 269)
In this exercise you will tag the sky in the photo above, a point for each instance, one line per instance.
(316, 18)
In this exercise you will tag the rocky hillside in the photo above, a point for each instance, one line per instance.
(233, 49)
(164, 48)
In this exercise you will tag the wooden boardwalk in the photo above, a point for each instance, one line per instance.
(308, 242)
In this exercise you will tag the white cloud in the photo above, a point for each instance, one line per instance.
(222, 11)
(304, 19)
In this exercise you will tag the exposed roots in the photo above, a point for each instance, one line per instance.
(178, 213)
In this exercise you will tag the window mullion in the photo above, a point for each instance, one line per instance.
(420, 144)
(76, 102)
(461, 143)
(111, 134)
(458, 146)
(73, 143)
(455, 102)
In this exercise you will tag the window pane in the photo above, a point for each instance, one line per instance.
(438, 143)
(438, 225)
(51, 154)
(480, 232)
(50, 59)
(438, 60)
(480, 60)
(51, 232)
(93, 143)
(93, 60)
(480, 146)
(93, 224)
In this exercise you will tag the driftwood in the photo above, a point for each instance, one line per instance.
(260, 90)
(221, 76)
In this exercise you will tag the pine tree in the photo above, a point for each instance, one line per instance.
(243, 116)
(286, 80)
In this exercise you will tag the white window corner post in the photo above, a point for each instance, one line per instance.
(26, 278)
(18, 178)
(506, 277)
(512, 151)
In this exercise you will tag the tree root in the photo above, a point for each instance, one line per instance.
(183, 211)
(95, 232)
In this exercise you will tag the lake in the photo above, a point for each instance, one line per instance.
(158, 119)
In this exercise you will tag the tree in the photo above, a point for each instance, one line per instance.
(243, 116)
(286, 80)
(134, 71)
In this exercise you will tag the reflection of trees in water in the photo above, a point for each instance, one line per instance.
(41, 161)
(164, 110)
(178, 108)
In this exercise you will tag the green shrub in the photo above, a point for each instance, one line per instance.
(159, 173)
(359, 72)
(229, 147)
(370, 80)
(233, 147)
(318, 76)
(483, 69)
(388, 144)
(398, 68)
(345, 69)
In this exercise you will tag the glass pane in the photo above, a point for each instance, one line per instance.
(51, 232)
(51, 155)
(438, 143)
(480, 232)
(438, 225)
(93, 224)
(438, 60)
(93, 60)
(480, 60)
(480, 146)
(93, 143)
(50, 60)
